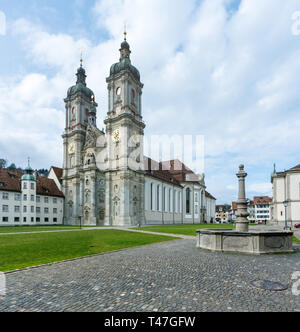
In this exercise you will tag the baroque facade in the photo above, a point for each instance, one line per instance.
(106, 179)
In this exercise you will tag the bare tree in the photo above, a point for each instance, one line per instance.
(3, 163)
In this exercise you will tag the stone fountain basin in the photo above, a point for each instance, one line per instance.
(253, 242)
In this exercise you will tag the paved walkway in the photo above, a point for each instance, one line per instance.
(129, 229)
(170, 276)
(260, 227)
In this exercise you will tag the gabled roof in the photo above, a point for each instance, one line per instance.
(282, 174)
(296, 168)
(47, 187)
(156, 170)
(207, 194)
(262, 200)
(224, 208)
(11, 181)
(58, 172)
(180, 171)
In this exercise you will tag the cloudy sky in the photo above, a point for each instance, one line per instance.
(225, 69)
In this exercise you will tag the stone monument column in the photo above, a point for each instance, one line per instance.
(242, 223)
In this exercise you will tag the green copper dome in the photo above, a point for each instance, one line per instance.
(80, 86)
(28, 169)
(125, 45)
(124, 64)
(28, 177)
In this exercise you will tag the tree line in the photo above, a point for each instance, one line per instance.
(12, 167)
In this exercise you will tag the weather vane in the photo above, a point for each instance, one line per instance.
(81, 60)
(125, 29)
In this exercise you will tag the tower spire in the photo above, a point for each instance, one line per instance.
(125, 30)
(125, 48)
(81, 60)
(81, 76)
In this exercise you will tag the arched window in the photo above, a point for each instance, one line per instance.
(158, 198)
(151, 197)
(146, 196)
(180, 202)
(188, 200)
(165, 199)
(170, 201)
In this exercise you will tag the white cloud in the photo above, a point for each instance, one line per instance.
(261, 188)
(232, 77)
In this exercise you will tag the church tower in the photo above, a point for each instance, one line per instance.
(80, 111)
(125, 133)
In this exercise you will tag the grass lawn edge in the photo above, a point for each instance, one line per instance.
(52, 261)
(83, 257)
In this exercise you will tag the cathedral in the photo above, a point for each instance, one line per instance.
(106, 179)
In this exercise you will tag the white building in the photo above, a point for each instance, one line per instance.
(259, 210)
(286, 188)
(27, 199)
(262, 209)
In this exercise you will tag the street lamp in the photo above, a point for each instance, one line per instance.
(285, 203)
(80, 221)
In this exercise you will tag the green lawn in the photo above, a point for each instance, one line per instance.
(191, 229)
(24, 250)
(183, 229)
(296, 240)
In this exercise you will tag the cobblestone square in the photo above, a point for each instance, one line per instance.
(166, 277)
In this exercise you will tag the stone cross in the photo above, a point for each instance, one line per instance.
(242, 223)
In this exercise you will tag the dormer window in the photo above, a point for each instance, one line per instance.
(45, 189)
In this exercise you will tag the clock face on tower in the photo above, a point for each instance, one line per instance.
(116, 136)
(71, 148)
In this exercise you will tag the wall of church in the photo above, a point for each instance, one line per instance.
(160, 205)
(166, 203)
(193, 203)
(210, 209)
